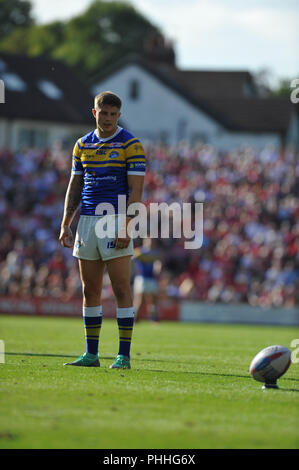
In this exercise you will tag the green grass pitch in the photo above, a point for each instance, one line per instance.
(189, 388)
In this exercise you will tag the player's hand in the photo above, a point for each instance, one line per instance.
(121, 242)
(66, 237)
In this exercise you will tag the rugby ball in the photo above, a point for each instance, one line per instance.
(270, 364)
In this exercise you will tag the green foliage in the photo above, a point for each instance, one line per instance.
(283, 88)
(268, 87)
(14, 14)
(34, 41)
(98, 37)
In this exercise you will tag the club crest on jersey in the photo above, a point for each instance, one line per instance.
(113, 155)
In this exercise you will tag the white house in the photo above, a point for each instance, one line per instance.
(44, 102)
(163, 103)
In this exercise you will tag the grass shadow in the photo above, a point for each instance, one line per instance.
(49, 355)
(288, 389)
(149, 370)
(223, 375)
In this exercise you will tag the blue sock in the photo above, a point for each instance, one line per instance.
(125, 321)
(92, 322)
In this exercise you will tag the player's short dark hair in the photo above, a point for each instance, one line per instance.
(107, 97)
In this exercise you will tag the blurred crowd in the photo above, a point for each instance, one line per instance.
(250, 250)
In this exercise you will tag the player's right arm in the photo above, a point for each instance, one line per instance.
(72, 198)
(71, 204)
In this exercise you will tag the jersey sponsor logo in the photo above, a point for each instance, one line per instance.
(101, 152)
(137, 164)
(92, 179)
(115, 145)
(90, 145)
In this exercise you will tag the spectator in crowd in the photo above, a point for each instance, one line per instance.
(250, 249)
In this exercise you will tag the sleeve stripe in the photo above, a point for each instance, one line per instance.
(130, 142)
(138, 173)
(137, 156)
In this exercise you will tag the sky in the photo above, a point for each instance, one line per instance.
(214, 34)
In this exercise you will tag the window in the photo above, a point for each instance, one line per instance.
(247, 89)
(13, 82)
(68, 140)
(50, 89)
(164, 137)
(199, 137)
(3, 65)
(32, 138)
(134, 89)
(181, 129)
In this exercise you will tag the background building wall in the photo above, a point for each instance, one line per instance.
(153, 111)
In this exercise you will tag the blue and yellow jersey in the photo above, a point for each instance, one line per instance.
(105, 164)
(144, 261)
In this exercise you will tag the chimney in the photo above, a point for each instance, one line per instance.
(158, 49)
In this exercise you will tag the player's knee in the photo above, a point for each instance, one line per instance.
(121, 291)
(91, 292)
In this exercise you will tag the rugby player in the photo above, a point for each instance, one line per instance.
(146, 290)
(107, 162)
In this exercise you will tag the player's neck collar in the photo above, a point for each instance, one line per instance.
(104, 139)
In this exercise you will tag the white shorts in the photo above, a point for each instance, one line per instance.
(90, 246)
(144, 285)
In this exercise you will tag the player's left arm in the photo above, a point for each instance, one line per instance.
(135, 183)
(136, 165)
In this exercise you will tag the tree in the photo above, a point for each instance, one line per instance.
(103, 34)
(35, 40)
(14, 14)
(283, 88)
(270, 86)
(98, 37)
